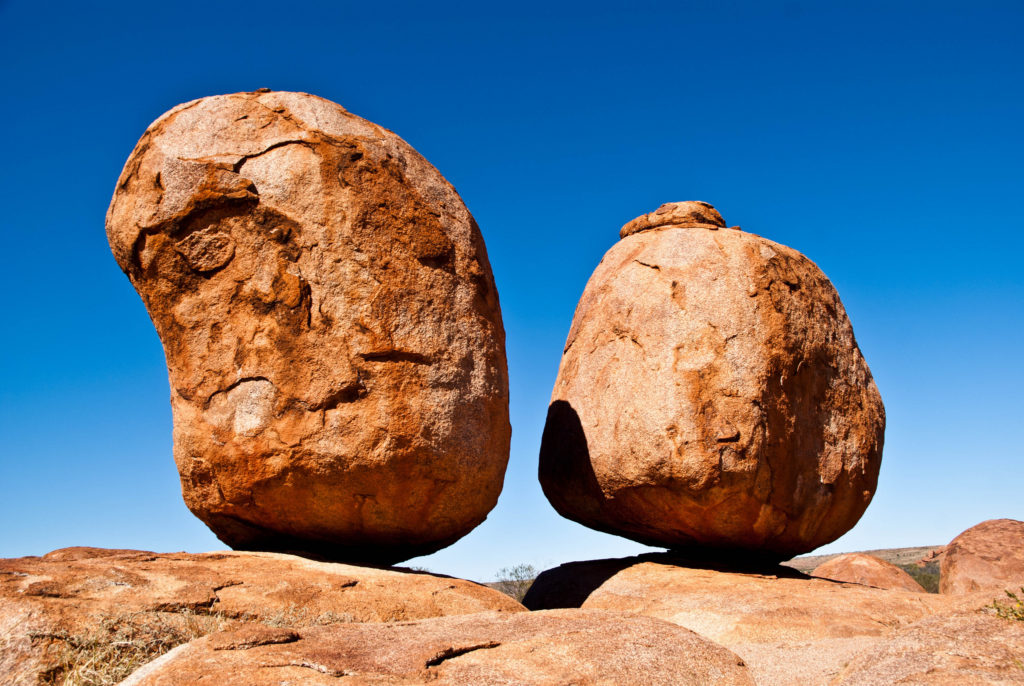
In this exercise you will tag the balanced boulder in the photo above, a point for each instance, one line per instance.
(711, 395)
(330, 324)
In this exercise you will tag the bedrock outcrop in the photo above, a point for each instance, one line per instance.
(711, 395)
(75, 596)
(987, 557)
(331, 327)
(538, 648)
(859, 568)
(947, 649)
(790, 629)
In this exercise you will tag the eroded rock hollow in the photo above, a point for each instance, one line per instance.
(331, 327)
(711, 395)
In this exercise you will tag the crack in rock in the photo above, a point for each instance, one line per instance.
(449, 653)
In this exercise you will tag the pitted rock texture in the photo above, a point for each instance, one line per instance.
(858, 568)
(46, 602)
(683, 215)
(711, 396)
(986, 557)
(949, 649)
(542, 648)
(790, 629)
(330, 323)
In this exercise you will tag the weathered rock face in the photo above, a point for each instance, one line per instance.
(986, 557)
(544, 648)
(858, 568)
(45, 602)
(711, 395)
(331, 327)
(949, 649)
(791, 629)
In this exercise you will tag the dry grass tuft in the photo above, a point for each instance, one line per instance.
(295, 616)
(117, 645)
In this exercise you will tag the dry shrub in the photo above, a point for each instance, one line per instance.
(115, 646)
(515, 581)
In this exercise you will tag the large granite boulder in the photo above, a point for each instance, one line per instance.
(54, 606)
(790, 629)
(860, 568)
(986, 557)
(711, 396)
(542, 648)
(330, 323)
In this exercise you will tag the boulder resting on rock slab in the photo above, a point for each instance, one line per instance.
(711, 396)
(868, 570)
(542, 648)
(987, 557)
(790, 629)
(330, 323)
(71, 596)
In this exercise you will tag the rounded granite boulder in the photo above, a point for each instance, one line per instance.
(867, 570)
(987, 557)
(330, 323)
(711, 396)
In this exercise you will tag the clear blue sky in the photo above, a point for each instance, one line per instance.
(882, 139)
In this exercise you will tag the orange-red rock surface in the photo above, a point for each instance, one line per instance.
(792, 630)
(949, 649)
(330, 323)
(711, 395)
(71, 591)
(868, 570)
(543, 648)
(986, 557)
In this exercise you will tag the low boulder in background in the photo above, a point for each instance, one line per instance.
(867, 570)
(986, 557)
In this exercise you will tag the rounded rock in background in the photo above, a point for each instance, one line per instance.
(711, 396)
(867, 570)
(330, 323)
(987, 557)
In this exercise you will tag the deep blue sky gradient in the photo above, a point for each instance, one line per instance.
(883, 140)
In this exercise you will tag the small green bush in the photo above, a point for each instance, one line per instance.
(1014, 611)
(927, 576)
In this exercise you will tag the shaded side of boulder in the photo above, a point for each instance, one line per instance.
(868, 570)
(986, 557)
(542, 648)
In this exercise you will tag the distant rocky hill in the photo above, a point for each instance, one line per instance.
(897, 556)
